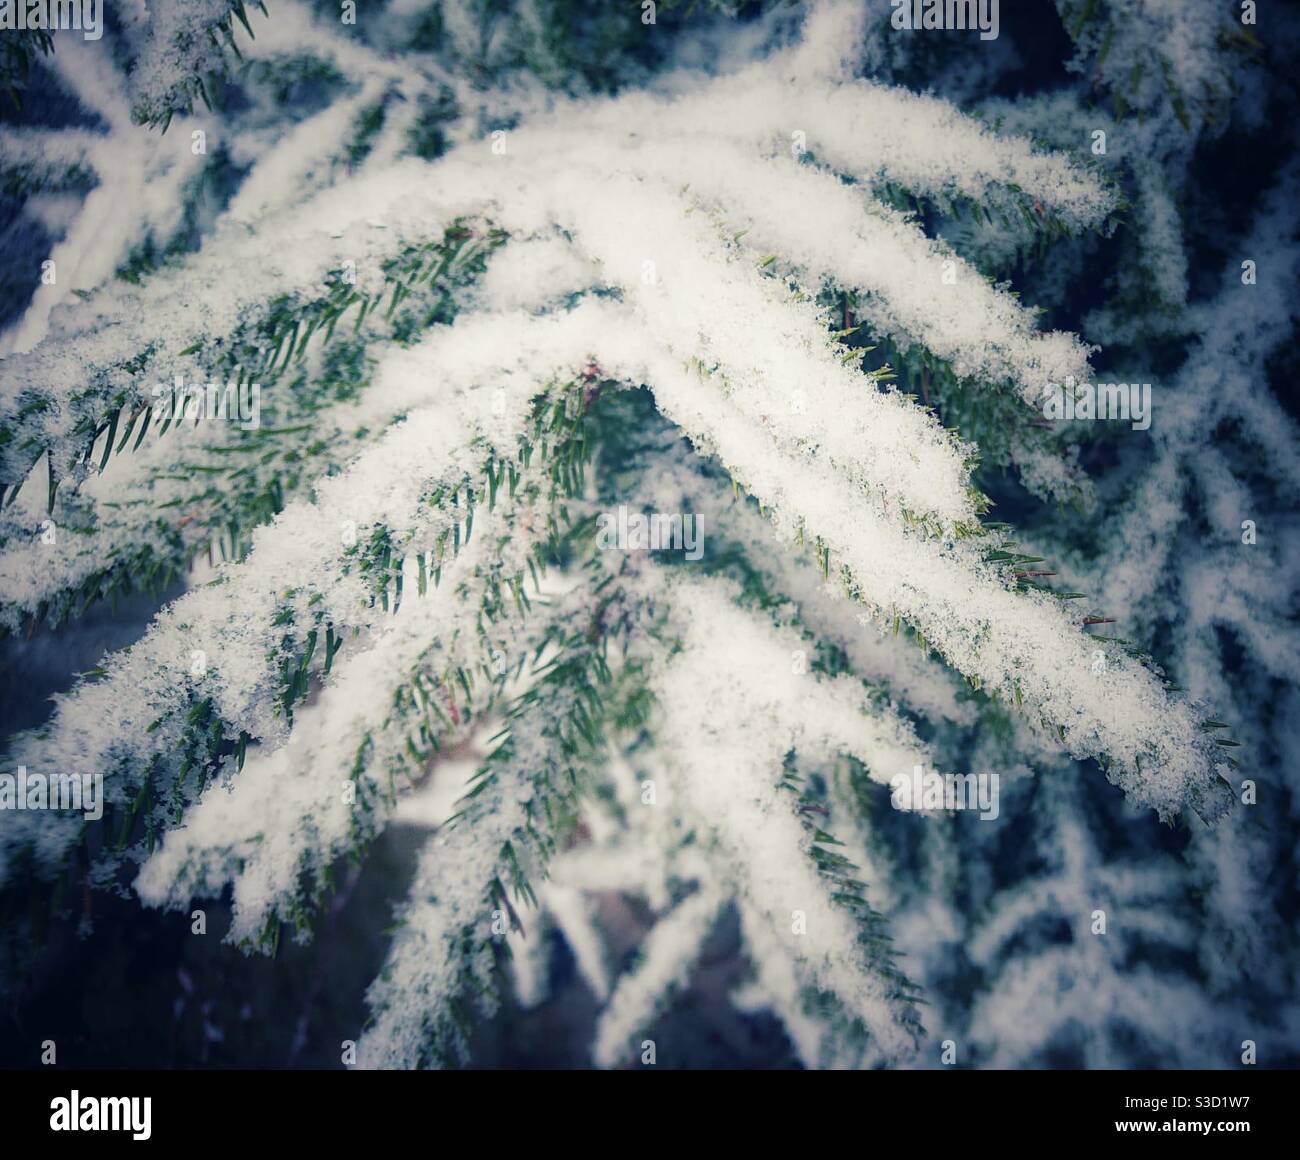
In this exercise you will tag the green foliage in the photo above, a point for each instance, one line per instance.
(19, 48)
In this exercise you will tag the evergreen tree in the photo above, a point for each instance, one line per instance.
(634, 438)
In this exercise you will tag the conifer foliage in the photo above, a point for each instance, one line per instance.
(734, 458)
